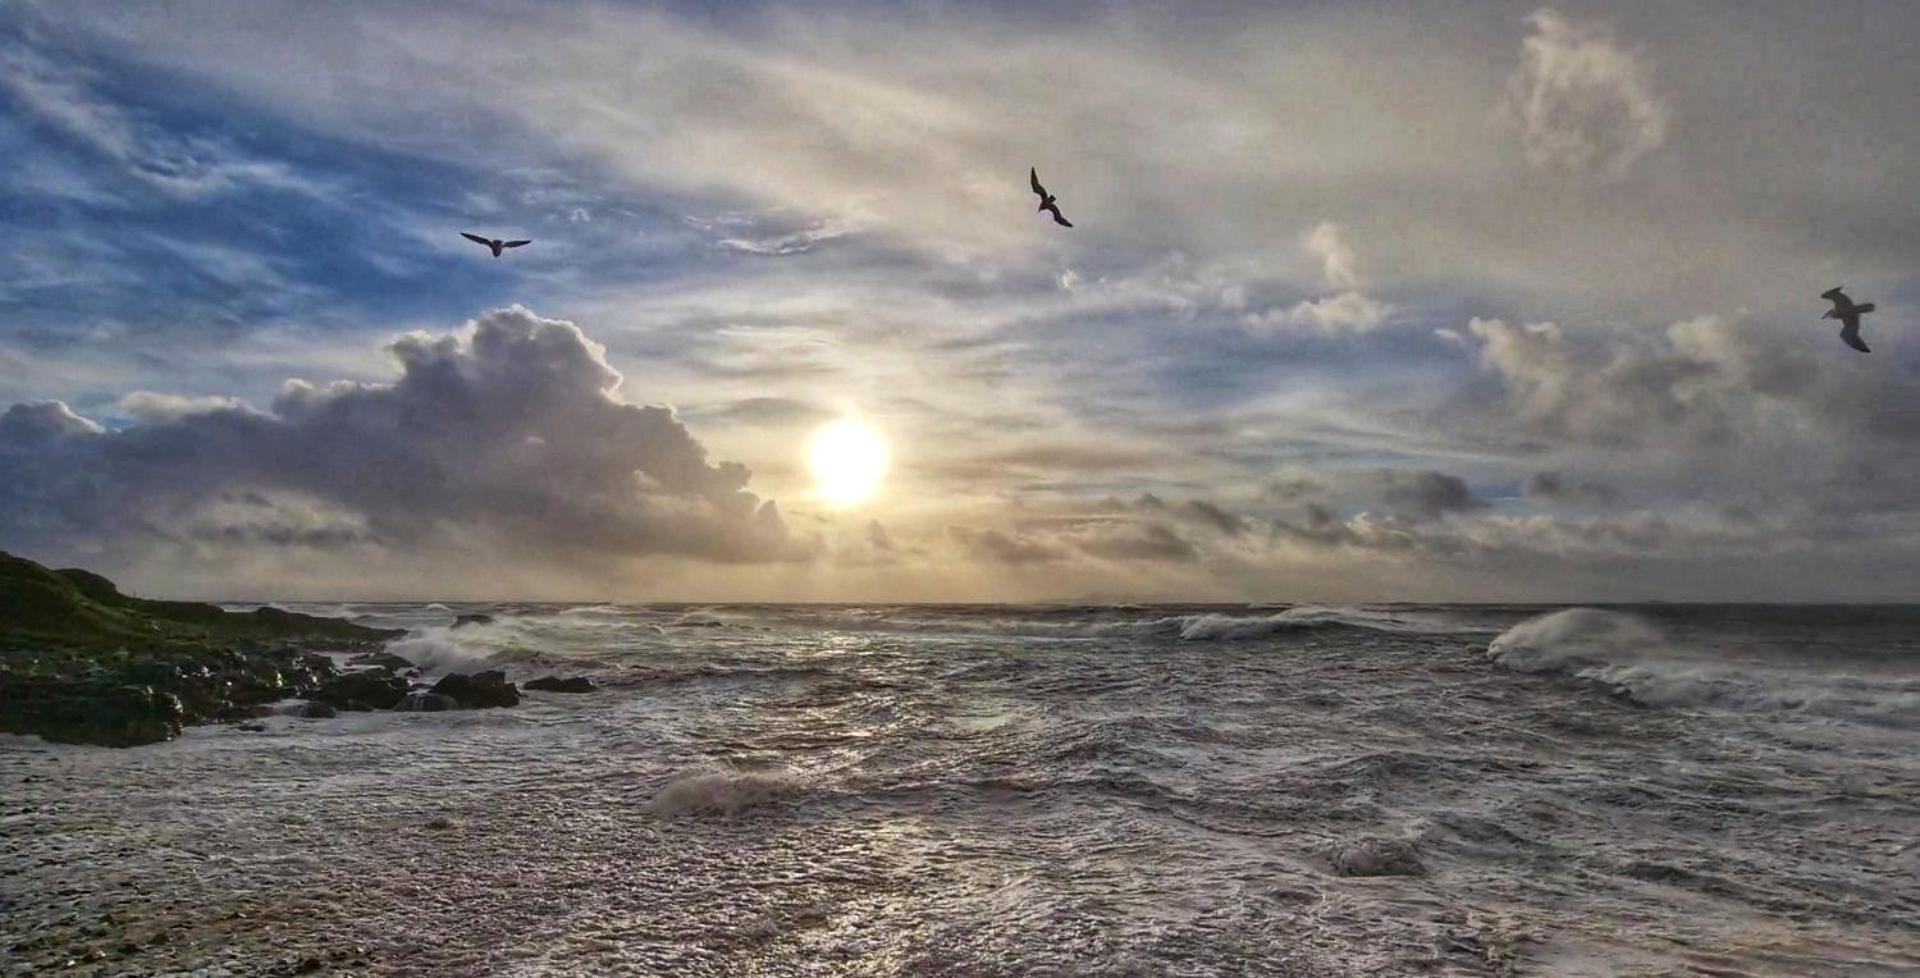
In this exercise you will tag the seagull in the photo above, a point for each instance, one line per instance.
(1849, 316)
(495, 243)
(1047, 201)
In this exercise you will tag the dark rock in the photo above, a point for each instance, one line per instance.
(368, 689)
(424, 702)
(254, 727)
(91, 708)
(380, 660)
(80, 662)
(554, 684)
(480, 690)
(316, 711)
(460, 621)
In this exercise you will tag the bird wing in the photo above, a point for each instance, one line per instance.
(1033, 177)
(476, 239)
(1850, 335)
(515, 244)
(1837, 297)
(1054, 209)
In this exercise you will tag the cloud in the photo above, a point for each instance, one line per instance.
(1554, 488)
(1585, 103)
(60, 95)
(1424, 494)
(1713, 408)
(43, 422)
(510, 434)
(1327, 242)
(1346, 312)
(148, 406)
(995, 546)
(1154, 541)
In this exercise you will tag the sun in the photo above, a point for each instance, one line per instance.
(848, 459)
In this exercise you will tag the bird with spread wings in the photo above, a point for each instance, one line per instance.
(495, 244)
(1048, 202)
(1849, 316)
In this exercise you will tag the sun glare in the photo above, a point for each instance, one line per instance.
(848, 460)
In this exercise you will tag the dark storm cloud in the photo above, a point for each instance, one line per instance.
(510, 431)
(1154, 541)
(994, 546)
(1556, 488)
(1424, 494)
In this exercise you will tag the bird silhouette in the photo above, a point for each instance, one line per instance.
(1047, 201)
(494, 243)
(1849, 316)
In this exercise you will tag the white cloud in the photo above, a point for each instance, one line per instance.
(1585, 102)
(1328, 242)
(1346, 312)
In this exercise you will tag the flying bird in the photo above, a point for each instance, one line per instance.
(495, 243)
(1048, 202)
(1849, 316)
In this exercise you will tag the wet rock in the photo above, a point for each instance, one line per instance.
(554, 684)
(81, 662)
(1378, 857)
(461, 621)
(420, 701)
(480, 690)
(368, 689)
(89, 709)
(380, 660)
(254, 727)
(316, 711)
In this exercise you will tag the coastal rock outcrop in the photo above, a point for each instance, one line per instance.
(480, 690)
(423, 701)
(80, 662)
(554, 684)
(365, 689)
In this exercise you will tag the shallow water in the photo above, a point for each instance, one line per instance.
(1025, 791)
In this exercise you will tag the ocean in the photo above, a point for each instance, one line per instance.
(1013, 790)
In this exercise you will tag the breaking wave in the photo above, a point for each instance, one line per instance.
(723, 793)
(436, 650)
(1633, 659)
(1094, 623)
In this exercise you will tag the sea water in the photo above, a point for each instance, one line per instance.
(948, 790)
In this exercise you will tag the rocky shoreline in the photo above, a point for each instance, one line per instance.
(82, 663)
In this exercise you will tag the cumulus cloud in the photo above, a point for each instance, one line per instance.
(1346, 312)
(1585, 103)
(511, 432)
(1328, 243)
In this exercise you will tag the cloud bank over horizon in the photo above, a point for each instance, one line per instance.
(1363, 303)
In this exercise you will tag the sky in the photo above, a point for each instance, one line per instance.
(1372, 301)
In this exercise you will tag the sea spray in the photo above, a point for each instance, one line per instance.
(1632, 658)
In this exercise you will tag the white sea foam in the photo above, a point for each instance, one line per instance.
(1633, 658)
(438, 649)
(723, 792)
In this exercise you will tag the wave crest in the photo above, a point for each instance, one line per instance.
(723, 792)
(1633, 659)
